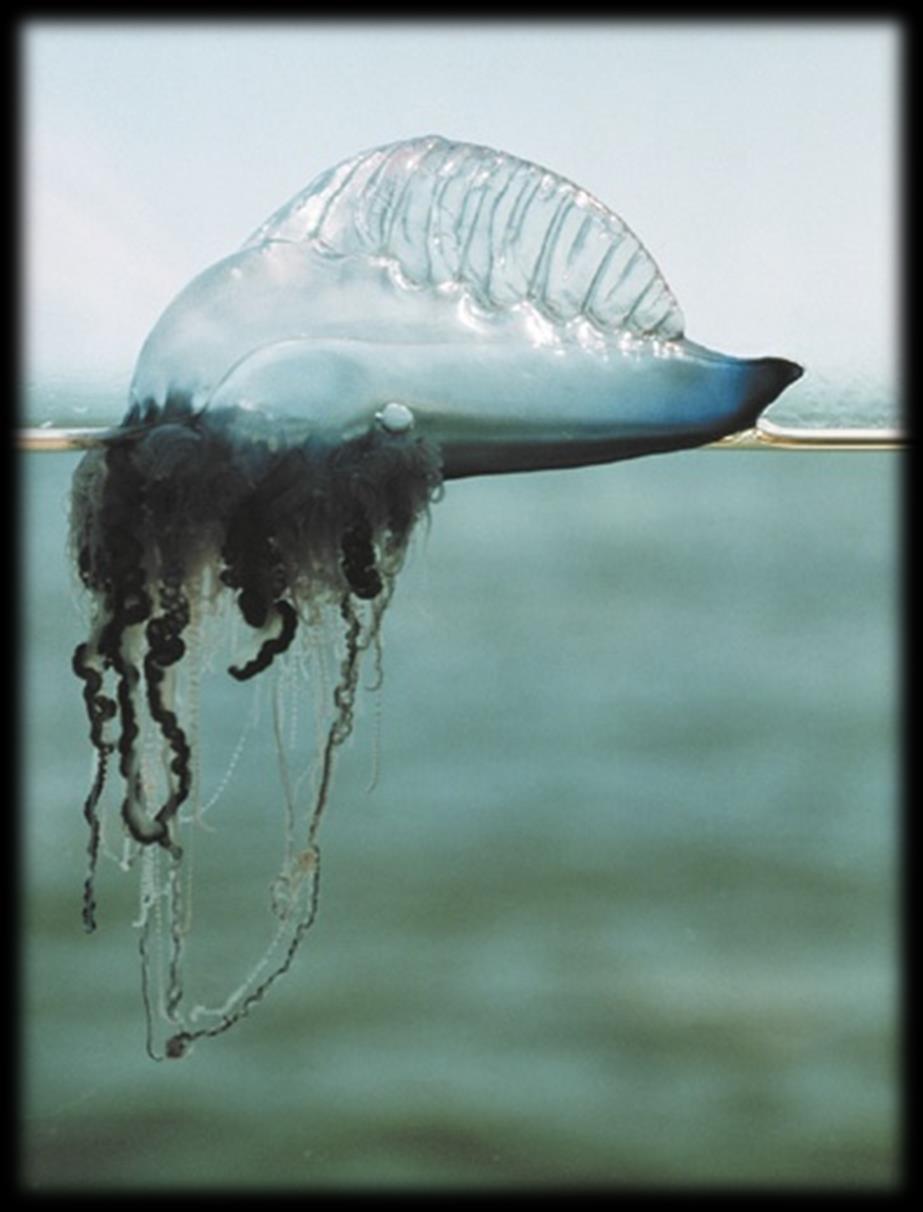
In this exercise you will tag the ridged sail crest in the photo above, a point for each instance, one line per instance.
(507, 230)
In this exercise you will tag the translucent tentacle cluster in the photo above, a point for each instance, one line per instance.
(179, 500)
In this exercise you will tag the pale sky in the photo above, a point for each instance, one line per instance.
(756, 160)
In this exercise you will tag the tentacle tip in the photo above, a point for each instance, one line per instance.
(178, 1046)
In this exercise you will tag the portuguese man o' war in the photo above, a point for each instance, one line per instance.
(424, 311)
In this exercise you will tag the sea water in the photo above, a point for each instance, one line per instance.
(621, 908)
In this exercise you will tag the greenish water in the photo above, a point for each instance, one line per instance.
(621, 908)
